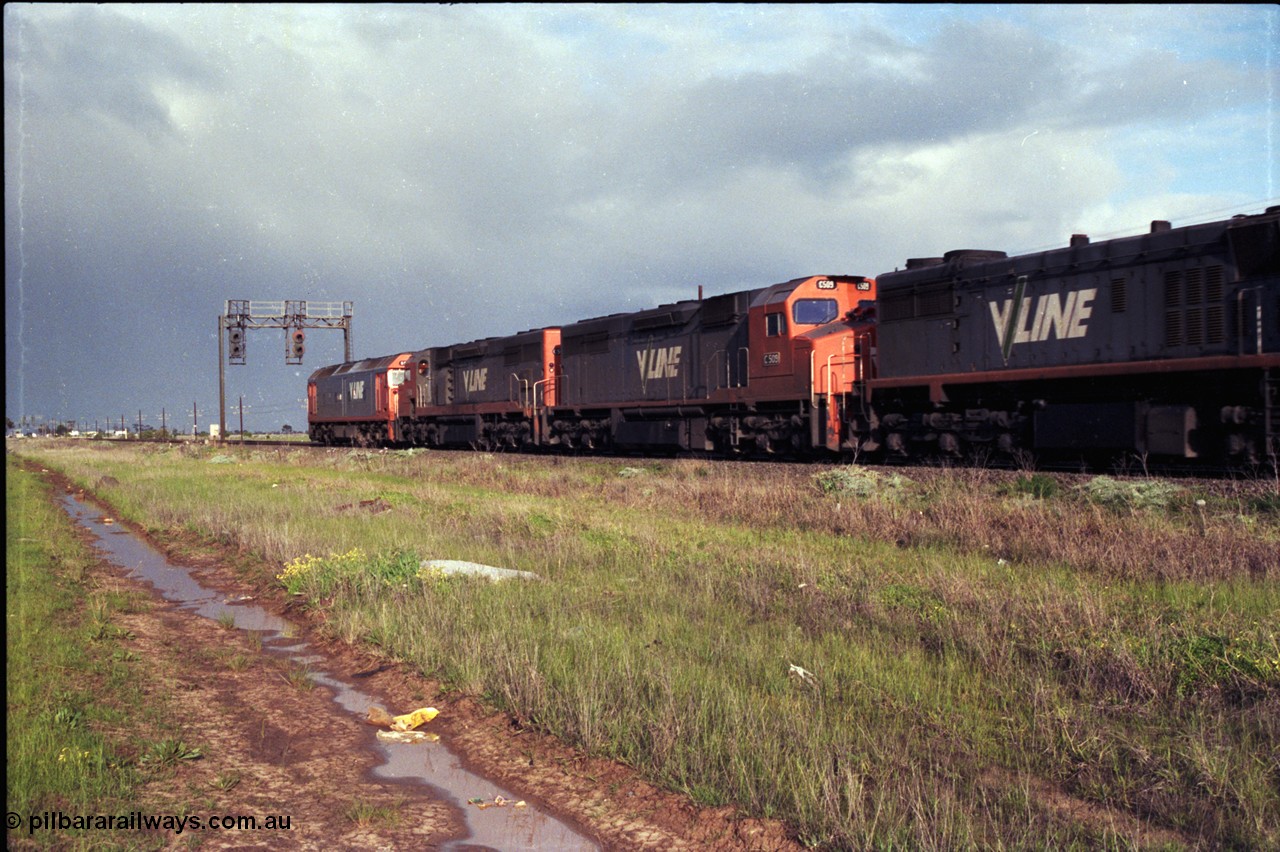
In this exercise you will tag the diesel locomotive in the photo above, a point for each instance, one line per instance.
(1164, 345)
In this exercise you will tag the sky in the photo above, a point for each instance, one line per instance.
(460, 172)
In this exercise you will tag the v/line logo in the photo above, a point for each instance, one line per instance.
(1057, 316)
(475, 380)
(660, 363)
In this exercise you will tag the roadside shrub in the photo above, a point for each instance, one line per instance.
(1239, 667)
(1268, 504)
(922, 602)
(1141, 494)
(861, 482)
(318, 576)
(1041, 486)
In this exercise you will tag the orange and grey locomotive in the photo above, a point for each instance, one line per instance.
(1163, 346)
(770, 371)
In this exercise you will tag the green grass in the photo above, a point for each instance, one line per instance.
(366, 814)
(948, 661)
(68, 678)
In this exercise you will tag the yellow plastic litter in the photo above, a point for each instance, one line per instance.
(382, 719)
(409, 721)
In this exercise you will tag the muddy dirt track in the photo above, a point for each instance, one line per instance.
(272, 747)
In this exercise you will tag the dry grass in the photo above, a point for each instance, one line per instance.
(925, 659)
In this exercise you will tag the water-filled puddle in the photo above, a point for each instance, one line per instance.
(432, 763)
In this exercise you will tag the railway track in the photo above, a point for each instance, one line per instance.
(1067, 472)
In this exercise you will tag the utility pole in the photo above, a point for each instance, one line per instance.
(222, 381)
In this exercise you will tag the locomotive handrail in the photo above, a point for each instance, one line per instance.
(547, 382)
(558, 379)
(867, 364)
(813, 379)
(1240, 320)
(847, 358)
(525, 400)
(684, 386)
(711, 364)
(744, 359)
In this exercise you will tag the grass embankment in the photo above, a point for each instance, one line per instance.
(84, 728)
(962, 661)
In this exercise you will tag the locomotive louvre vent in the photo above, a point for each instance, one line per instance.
(1173, 328)
(724, 310)
(522, 354)
(1215, 313)
(933, 302)
(662, 320)
(1194, 326)
(1213, 284)
(897, 306)
(1215, 323)
(1173, 288)
(1119, 295)
(1194, 293)
(589, 343)
(906, 304)
(1195, 312)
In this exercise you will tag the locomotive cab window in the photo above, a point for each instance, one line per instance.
(774, 324)
(395, 378)
(814, 311)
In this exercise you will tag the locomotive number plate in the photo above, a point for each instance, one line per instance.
(826, 285)
(772, 359)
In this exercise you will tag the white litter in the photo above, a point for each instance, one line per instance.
(805, 675)
(457, 568)
(410, 737)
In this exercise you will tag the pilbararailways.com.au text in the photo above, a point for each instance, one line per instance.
(139, 821)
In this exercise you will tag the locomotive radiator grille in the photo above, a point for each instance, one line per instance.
(1194, 310)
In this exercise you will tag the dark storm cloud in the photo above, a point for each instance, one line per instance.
(469, 171)
(97, 63)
